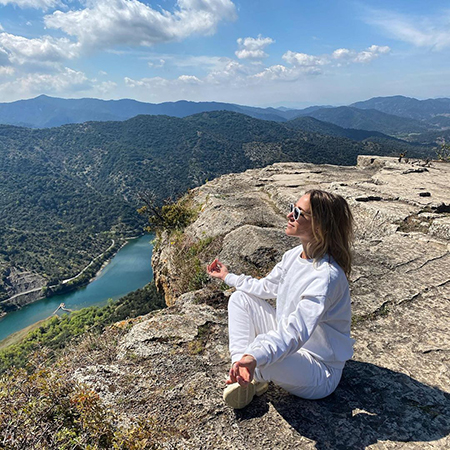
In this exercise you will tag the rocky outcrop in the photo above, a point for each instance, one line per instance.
(171, 365)
(22, 287)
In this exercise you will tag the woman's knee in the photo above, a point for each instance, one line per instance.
(238, 299)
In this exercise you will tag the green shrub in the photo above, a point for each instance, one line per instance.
(48, 409)
(170, 217)
(443, 152)
(191, 259)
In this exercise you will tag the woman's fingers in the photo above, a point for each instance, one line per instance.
(213, 267)
(239, 373)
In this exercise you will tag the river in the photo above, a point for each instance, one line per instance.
(128, 270)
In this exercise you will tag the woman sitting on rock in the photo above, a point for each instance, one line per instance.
(301, 346)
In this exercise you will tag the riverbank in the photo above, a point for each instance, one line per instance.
(18, 336)
(108, 260)
(20, 300)
(128, 269)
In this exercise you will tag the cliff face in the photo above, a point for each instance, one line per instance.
(23, 287)
(394, 393)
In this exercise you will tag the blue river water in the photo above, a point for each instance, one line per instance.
(128, 270)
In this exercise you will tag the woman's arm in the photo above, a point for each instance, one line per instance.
(266, 287)
(291, 334)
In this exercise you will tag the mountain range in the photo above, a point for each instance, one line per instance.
(395, 116)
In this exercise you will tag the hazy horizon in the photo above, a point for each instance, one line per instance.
(289, 105)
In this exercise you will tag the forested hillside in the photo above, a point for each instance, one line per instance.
(63, 190)
(371, 119)
(399, 105)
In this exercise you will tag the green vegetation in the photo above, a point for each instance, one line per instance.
(47, 409)
(443, 152)
(197, 345)
(382, 311)
(43, 406)
(171, 217)
(57, 332)
(192, 257)
(370, 119)
(66, 192)
(88, 273)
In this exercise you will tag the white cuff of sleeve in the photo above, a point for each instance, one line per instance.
(231, 279)
(259, 354)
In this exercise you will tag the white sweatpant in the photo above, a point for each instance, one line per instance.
(300, 373)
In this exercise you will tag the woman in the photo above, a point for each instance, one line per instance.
(301, 346)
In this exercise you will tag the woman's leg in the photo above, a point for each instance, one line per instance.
(302, 375)
(248, 316)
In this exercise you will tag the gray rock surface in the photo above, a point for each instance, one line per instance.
(23, 287)
(395, 392)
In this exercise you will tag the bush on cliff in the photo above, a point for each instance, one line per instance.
(48, 409)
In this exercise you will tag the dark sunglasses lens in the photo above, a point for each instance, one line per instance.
(295, 210)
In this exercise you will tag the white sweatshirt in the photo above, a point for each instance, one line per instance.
(313, 310)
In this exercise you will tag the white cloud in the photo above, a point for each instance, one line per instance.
(432, 32)
(343, 53)
(230, 71)
(283, 73)
(189, 79)
(4, 57)
(105, 86)
(303, 64)
(158, 82)
(304, 60)
(6, 70)
(346, 55)
(107, 23)
(277, 72)
(146, 82)
(37, 4)
(251, 48)
(46, 49)
(157, 65)
(67, 80)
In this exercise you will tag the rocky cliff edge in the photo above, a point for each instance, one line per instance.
(171, 365)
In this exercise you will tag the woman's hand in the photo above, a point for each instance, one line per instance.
(242, 371)
(217, 270)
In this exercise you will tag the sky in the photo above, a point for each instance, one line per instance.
(292, 53)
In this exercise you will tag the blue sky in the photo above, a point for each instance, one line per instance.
(294, 53)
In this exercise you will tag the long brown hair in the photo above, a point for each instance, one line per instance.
(332, 227)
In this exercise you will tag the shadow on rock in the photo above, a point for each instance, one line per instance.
(257, 408)
(371, 404)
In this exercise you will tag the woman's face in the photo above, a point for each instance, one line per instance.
(301, 227)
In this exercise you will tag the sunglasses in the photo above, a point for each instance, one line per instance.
(297, 212)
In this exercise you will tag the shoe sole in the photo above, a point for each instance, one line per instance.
(238, 396)
(261, 388)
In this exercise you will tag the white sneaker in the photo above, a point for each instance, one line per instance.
(238, 396)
